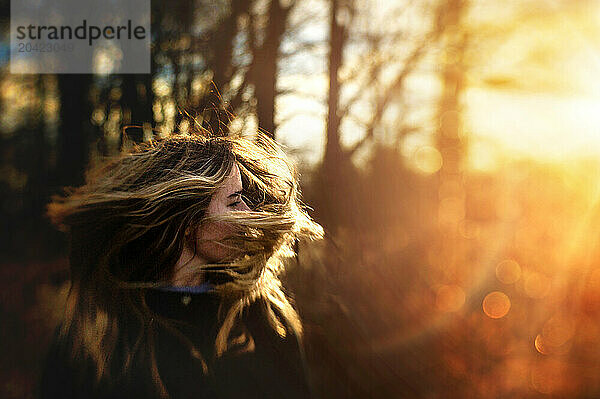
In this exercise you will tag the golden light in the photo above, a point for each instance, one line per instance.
(594, 280)
(451, 188)
(469, 230)
(450, 298)
(508, 271)
(550, 377)
(515, 372)
(588, 331)
(540, 345)
(543, 347)
(428, 159)
(558, 330)
(536, 285)
(451, 210)
(496, 304)
(161, 87)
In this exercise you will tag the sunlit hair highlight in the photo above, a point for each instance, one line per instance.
(128, 225)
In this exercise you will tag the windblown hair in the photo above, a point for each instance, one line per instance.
(128, 225)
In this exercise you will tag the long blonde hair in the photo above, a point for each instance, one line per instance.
(127, 228)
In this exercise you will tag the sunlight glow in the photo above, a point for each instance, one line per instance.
(508, 271)
(450, 298)
(428, 159)
(496, 305)
(536, 285)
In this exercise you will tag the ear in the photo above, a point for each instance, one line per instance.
(189, 237)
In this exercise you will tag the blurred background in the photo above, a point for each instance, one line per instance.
(449, 147)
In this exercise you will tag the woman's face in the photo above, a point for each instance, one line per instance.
(227, 198)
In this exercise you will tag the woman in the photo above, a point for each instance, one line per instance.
(175, 252)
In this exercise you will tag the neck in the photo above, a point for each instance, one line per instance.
(188, 269)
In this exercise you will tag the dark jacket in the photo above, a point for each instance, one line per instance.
(274, 369)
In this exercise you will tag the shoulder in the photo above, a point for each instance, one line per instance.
(269, 365)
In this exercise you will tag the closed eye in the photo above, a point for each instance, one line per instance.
(239, 201)
(236, 195)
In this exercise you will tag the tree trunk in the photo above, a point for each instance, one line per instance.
(333, 149)
(337, 173)
(74, 134)
(264, 67)
(216, 114)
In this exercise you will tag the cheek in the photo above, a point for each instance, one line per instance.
(214, 231)
(207, 241)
